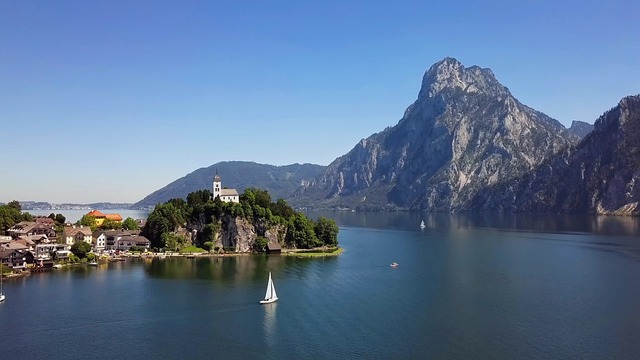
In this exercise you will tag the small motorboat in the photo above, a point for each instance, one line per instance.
(394, 264)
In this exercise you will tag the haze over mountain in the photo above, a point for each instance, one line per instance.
(464, 132)
(600, 175)
(280, 181)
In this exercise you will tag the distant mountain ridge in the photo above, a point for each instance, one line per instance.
(465, 132)
(279, 181)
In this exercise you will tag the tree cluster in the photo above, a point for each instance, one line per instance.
(206, 215)
(90, 221)
(11, 214)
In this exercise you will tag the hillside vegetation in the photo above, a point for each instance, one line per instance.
(245, 226)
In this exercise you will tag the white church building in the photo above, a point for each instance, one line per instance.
(226, 195)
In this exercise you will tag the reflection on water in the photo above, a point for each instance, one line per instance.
(269, 322)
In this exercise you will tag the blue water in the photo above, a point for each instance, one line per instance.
(464, 289)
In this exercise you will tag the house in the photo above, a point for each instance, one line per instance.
(44, 228)
(274, 248)
(16, 245)
(45, 220)
(28, 228)
(44, 263)
(16, 259)
(4, 242)
(99, 240)
(23, 228)
(101, 217)
(26, 241)
(39, 239)
(126, 242)
(113, 217)
(226, 195)
(73, 234)
(48, 251)
(112, 236)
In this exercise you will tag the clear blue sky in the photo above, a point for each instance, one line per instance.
(112, 100)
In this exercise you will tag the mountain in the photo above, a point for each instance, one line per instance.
(600, 175)
(580, 128)
(464, 132)
(279, 181)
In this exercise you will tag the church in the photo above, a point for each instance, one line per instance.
(226, 195)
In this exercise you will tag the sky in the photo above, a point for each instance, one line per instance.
(112, 100)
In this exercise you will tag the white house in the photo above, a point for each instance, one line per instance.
(99, 240)
(126, 242)
(226, 195)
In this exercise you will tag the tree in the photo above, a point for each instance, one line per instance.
(200, 197)
(300, 232)
(208, 233)
(89, 221)
(15, 204)
(261, 243)
(10, 215)
(169, 242)
(60, 219)
(327, 231)
(130, 224)
(164, 218)
(110, 224)
(81, 249)
(281, 208)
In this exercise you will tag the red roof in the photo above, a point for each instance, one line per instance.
(114, 217)
(96, 214)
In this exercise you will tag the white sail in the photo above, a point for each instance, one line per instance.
(269, 288)
(273, 289)
(422, 225)
(270, 295)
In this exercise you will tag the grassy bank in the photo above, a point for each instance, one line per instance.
(313, 252)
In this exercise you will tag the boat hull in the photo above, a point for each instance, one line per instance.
(2, 298)
(268, 301)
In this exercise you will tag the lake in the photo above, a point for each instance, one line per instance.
(467, 287)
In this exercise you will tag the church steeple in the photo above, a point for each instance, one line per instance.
(217, 185)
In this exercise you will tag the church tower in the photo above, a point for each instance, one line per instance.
(217, 186)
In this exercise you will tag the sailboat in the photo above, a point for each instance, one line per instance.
(2, 297)
(270, 295)
(422, 225)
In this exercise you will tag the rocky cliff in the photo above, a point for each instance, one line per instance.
(601, 175)
(464, 132)
(241, 235)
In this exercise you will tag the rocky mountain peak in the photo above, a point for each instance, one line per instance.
(449, 75)
(580, 128)
(463, 133)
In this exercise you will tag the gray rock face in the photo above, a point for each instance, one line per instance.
(601, 175)
(240, 234)
(580, 128)
(465, 132)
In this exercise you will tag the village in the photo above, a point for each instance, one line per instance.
(32, 246)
